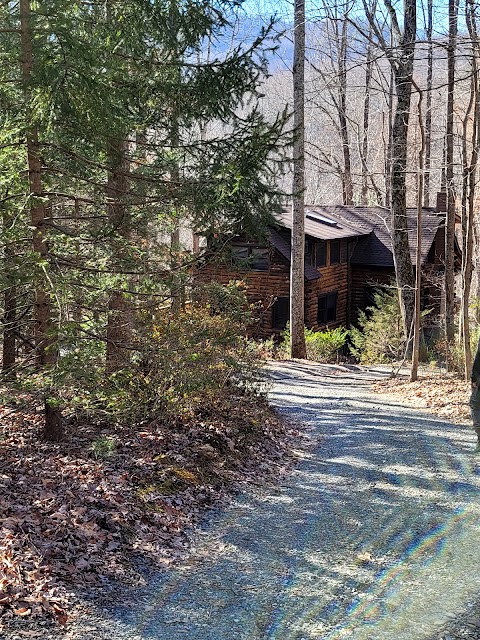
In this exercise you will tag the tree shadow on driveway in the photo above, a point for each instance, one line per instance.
(373, 535)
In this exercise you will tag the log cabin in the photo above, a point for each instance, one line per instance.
(348, 256)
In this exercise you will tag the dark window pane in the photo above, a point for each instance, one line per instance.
(327, 308)
(332, 307)
(280, 313)
(321, 253)
(239, 256)
(343, 251)
(250, 257)
(259, 259)
(334, 251)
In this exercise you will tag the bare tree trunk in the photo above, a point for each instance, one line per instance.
(366, 120)
(177, 285)
(119, 313)
(469, 188)
(401, 54)
(401, 249)
(44, 335)
(9, 326)
(388, 150)
(403, 73)
(45, 350)
(450, 221)
(428, 111)
(10, 310)
(418, 262)
(297, 270)
(342, 111)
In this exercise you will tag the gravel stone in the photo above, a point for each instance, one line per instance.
(373, 536)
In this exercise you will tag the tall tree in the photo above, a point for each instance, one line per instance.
(46, 348)
(449, 174)
(401, 57)
(341, 37)
(364, 139)
(97, 104)
(471, 129)
(428, 108)
(418, 261)
(297, 270)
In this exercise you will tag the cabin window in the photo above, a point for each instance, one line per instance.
(315, 252)
(239, 255)
(280, 313)
(250, 257)
(327, 307)
(259, 257)
(334, 251)
(320, 253)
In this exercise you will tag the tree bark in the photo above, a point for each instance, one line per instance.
(53, 426)
(418, 262)
(402, 66)
(10, 309)
(388, 149)
(366, 121)
(428, 109)
(46, 350)
(342, 111)
(469, 187)
(45, 343)
(177, 289)
(449, 174)
(401, 249)
(119, 313)
(297, 269)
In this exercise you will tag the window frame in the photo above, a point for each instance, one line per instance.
(318, 244)
(336, 243)
(249, 260)
(280, 326)
(329, 312)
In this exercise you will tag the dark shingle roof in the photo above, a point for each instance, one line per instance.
(372, 226)
(322, 223)
(375, 249)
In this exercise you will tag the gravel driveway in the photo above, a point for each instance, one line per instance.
(374, 536)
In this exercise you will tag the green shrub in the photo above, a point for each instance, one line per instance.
(325, 346)
(322, 346)
(189, 357)
(379, 337)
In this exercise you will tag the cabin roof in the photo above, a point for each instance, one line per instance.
(372, 227)
(375, 249)
(322, 223)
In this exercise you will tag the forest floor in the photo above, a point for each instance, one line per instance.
(91, 509)
(97, 508)
(443, 394)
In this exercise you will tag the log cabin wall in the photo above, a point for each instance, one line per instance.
(334, 279)
(263, 287)
(363, 282)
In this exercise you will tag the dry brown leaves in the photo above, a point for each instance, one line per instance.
(444, 395)
(70, 519)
